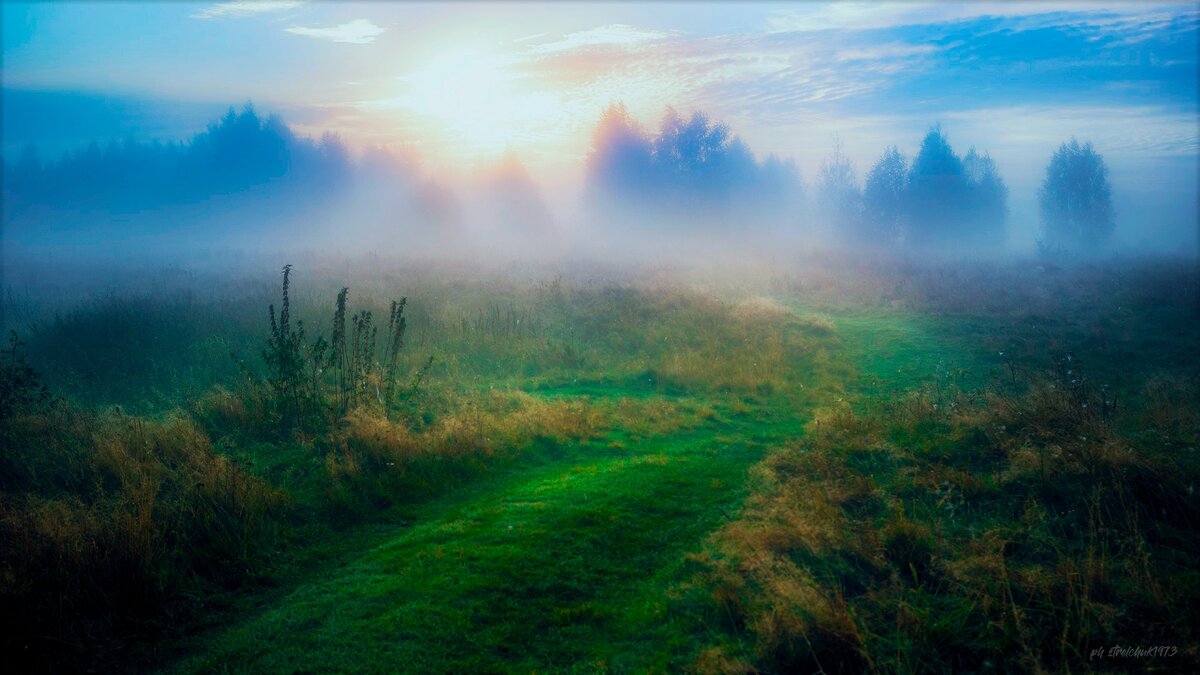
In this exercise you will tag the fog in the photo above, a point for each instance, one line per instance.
(683, 189)
(643, 336)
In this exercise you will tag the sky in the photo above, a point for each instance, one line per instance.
(460, 84)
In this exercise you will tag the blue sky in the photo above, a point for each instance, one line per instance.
(461, 83)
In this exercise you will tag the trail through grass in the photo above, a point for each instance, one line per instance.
(554, 566)
(559, 564)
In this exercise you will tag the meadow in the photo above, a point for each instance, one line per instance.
(826, 464)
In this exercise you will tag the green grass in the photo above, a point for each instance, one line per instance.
(569, 564)
(556, 497)
(552, 567)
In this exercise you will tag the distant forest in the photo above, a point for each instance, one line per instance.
(693, 168)
(691, 173)
(235, 154)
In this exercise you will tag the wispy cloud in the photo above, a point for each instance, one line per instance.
(612, 35)
(1122, 131)
(244, 8)
(358, 32)
(882, 15)
(857, 57)
(765, 76)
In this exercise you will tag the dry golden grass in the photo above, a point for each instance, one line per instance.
(1017, 530)
(105, 518)
(383, 457)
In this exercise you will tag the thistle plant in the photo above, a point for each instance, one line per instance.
(396, 326)
(362, 353)
(339, 361)
(286, 361)
(313, 383)
(19, 383)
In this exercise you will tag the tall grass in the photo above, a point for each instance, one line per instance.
(1014, 531)
(111, 525)
(20, 385)
(1042, 515)
(146, 353)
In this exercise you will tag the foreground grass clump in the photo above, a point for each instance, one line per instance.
(373, 462)
(111, 526)
(965, 532)
(389, 427)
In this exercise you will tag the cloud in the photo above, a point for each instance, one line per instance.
(358, 32)
(953, 58)
(764, 77)
(1036, 78)
(1120, 131)
(1025, 14)
(527, 38)
(612, 35)
(244, 8)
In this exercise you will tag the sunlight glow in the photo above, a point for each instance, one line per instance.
(475, 100)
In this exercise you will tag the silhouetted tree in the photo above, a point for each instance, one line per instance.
(697, 158)
(937, 192)
(777, 193)
(693, 168)
(621, 158)
(1076, 199)
(884, 198)
(24, 178)
(839, 201)
(514, 204)
(953, 201)
(239, 152)
(988, 199)
(236, 154)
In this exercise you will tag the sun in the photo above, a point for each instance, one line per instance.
(476, 101)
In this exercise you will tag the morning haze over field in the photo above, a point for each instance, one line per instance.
(448, 103)
(600, 337)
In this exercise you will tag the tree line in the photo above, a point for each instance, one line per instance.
(938, 199)
(692, 171)
(239, 152)
(693, 167)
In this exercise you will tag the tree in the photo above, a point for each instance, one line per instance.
(1076, 199)
(700, 163)
(937, 192)
(693, 171)
(620, 159)
(238, 153)
(512, 203)
(988, 198)
(884, 197)
(839, 201)
(952, 201)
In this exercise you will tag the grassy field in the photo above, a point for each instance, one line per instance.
(836, 465)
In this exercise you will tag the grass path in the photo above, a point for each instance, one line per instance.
(553, 567)
(557, 566)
